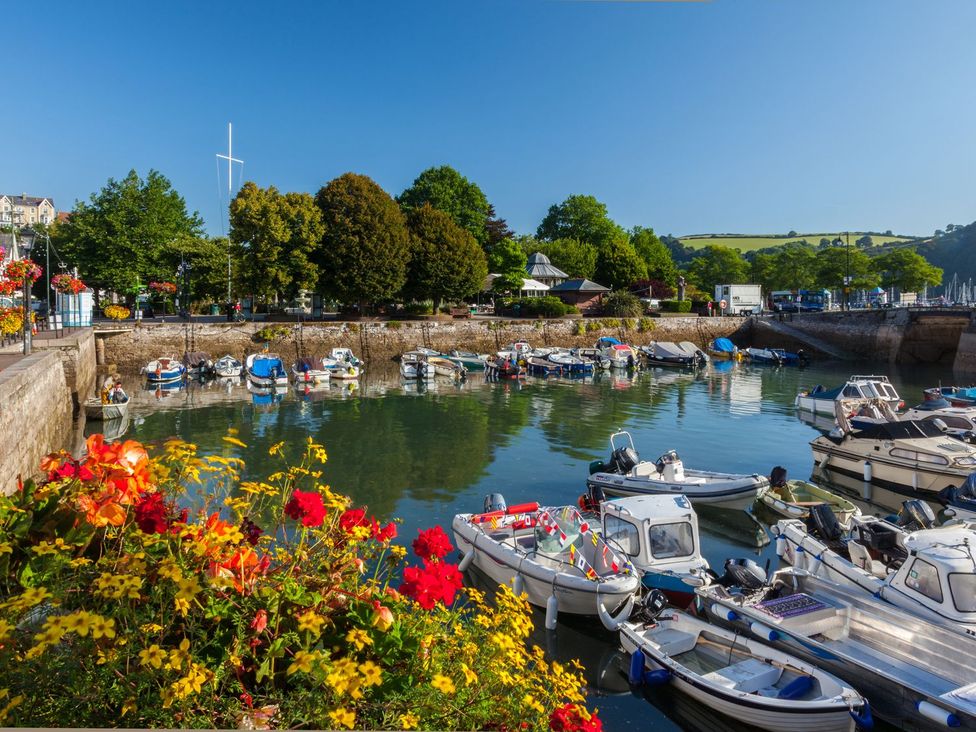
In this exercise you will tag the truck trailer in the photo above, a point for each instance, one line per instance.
(739, 299)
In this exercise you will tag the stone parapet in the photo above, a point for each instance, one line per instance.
(77, 353)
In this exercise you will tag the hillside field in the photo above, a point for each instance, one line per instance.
(749, 242)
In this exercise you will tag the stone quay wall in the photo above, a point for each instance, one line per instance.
(384, 340)
(35, 414)
(77, 354)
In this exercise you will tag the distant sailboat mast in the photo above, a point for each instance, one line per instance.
(229, 157)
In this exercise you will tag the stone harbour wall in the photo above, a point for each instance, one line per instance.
(77, 354)
(35, 415)
(383, 340)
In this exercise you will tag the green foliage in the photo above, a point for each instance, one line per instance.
(618, 265)
(593, 325)
(580, 328)
(393, 325)
(366, 246)
(835, 263)
(676, 306)
(645, 325)
(753, 242)
(610, 323)
(582, 218)
(718, 265)
(507, 260)
(623, 304)
(272, 333)
(447, 190)
(535, 307)
(575, 258)
(121, 237)
(425, 307)
(445, 261)
(657, 257)
(906, 270)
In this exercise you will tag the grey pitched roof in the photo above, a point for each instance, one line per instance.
(27, 200)
(579, 286)
(538, 265)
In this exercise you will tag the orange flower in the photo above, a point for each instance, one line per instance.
(243, 569)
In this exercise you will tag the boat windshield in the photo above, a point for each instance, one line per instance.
(671, 540)
(963, 589)
(905, 430)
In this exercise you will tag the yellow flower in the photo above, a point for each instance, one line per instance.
(188, 588)
(409, 721)
(275, 449)
(49, 636)
(129, 706)
(311, 621)
(470, 677)
(150, 628)
(182, 605)
(443, 684)
(152, 656)
(303, 662)
(533, 703)
(503, 641)
(33, 596)
(79, 622)
(233, 441)
(80, 562)
(372, 674)
(359, 638)
(5, 548)
(5, 629)
(234, 660)
(45, 547)
(343, 678)
(102, 627)
(343, 718)
(8, 706)
(483, 620)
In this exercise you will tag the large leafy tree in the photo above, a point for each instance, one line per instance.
(794, 268)
(657, 257)
(718, 265)
(447, 190)
(365, 247)
(446, 262)
(496, 229)
(206, 258)
(833, 265)
(507, 260)
(582, 218)
(906, 270)
(618, 265)
(575, 258)
(121, 237)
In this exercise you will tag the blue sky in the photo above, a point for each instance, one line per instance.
(726, 116)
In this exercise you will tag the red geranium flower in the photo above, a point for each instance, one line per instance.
(151, 514)
(385, 533)
(435, 582)
(570, 718)
(260, 621)
(352, 518)
(432, 543)
(307, 507)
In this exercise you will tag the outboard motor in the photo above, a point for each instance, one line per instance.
(823, 523)
(777, 477)
(802, 357)
(495, 502)
(915, 515)
(590, 501)
(650, 607)
(623, 459)
(743, 573)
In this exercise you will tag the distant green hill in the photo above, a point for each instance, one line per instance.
(954, 252)
(751, 242)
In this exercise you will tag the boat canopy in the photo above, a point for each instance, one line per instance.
(305, 363)
(723, 345)
(606, 341)
(658, 509)
(933, 405)
(900, 430)
(192, 358)
(267, 367)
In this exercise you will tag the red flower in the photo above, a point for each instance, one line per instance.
(385, 533)
(432, 543)
(252, 532)
(307, 507)
(151, 514)
(436, 582)
(570, 718)
(260, 621)
(353, 518)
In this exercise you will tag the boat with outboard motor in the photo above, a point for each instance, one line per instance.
(542, 367)
(468, 359)
(958, 422)
(683, 355)
(198, 365)
(621, 355)
(571, 365)
(625, 474)
(957, 396)
(594, 355)
(722, 349)
(553, 554)
(343, 364)
(859, 387)
(961, 500)
(916, 674)
(228, 367)
(769, 356)
(307, 371)
(736, 676)
(414, 366)
(503, 368)
(266, 370)
(164, 370)
(795, 498)
(447, 367)
(112, 403)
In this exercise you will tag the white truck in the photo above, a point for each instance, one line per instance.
(738, 299)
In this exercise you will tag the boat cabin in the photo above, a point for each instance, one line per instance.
(658, 533)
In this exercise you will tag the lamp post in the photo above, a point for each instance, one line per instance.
(26, 243)
(847, 279)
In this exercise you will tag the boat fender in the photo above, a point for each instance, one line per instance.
(723, 612)
(552, 612)
(780, 543)
(867, 470)
(523, 508)
(766, 633)
(613, 623)
(518, 584)
(635, 674)
(937, 714)
(656, 677)
(799, 557)
(864, 720)
(796, 688)
(468, 558)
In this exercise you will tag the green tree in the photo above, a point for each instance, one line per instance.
(762, 271)
(575, 258)
(447, 190)
(907, 270)
(794, 268)
(657, 257)
(507, 260)
(446, 262)
(718, 265)
(496, 229)
(833, 265)
(582, 218)
(366, 246)
(618, 265)
(207, 260)
(122, 236)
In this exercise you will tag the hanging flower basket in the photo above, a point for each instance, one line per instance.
(22, 270)
(11, 321)
(66, 284)
(163, 288)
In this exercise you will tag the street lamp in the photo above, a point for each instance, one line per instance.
(27, 237)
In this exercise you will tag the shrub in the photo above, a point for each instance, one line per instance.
(676, 306)
(623, 304)
(272, 332)
(580, 328)
(393, 325)
(534, 307)
(116, 312)
(163, 590)
(610, 322)
(593, 325)
(425, 307)
(645, 325)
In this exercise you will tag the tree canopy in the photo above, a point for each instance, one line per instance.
(618, 265)
(582, 218)
(366, 247)
(718, 265)
(446, 262)
(906, 270)
(507, 260)
(834, 264)
(121, 238)
(447, 190)
(657, 257)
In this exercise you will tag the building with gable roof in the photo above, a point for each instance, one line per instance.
(24, 210)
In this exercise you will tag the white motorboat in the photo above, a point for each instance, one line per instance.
(414, 366)
(795, 498)
(683, 355)
(516, 351)
(906, 456)
(961, 500)
(930, 573)
(554, 554)
(570, 364)
(625, 474)
(595, 355)
(308, 371)
(114, 406)
(917, 675)
(958, 422)
(620, 354)
(342, 364)
(198, 365)
(446, 367)
(266, 370)
(228, 367)
(738, 677)
(163, 370)
(470, 360)
(822, 401)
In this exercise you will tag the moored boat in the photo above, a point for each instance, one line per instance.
(111, 404)
(163, 370)
(795, 498)
(666, 353)
(447, 367)
(503, 368)
(414, 366)
(542, 367)
(266, 370)
(228, 367)
(961, 500)
(823, 401)
(722, 349)
(308, 371)
(470, 360)
(342, 364)
(571, 364)
(599, 360)
(621, 355)
(198, 365)
(763, 355)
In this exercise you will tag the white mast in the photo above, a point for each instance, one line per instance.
(229, 157)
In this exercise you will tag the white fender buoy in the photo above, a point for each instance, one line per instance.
(799, 557)
(614, 623)
(867, 471)
(466, 560)
(764, 632)
(915, 481)
(552, 611)
(937, 714)
(518, 585)
(723, 612)
(780, 544)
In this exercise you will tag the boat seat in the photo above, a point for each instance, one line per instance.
(645, 468)
(860, 557)
(672, 642)
(749, 676)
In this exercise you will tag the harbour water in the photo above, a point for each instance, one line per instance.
(425, 454)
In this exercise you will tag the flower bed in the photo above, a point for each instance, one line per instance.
(116, 312)
(166, 591)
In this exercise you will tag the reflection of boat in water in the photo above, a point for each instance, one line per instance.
(739, 527)
(265, 396)
(870, 498)
(166, 389)
(111, 429)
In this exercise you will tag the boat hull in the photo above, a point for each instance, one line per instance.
(732, 491)
(95, 410)
(842, 508)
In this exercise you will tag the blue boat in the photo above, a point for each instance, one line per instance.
(722, 349)
(962, 500)
(164, 370)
